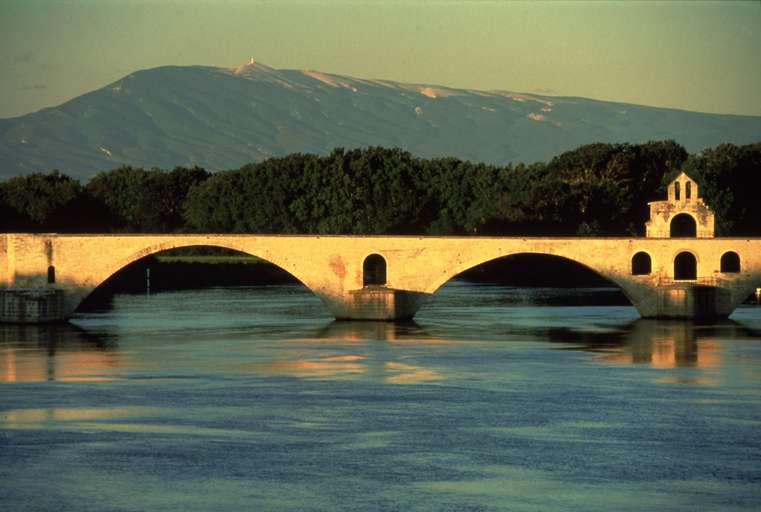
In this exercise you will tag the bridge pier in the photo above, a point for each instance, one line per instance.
(44, 304)
(378, 303)
(32, 305)
(688, 301)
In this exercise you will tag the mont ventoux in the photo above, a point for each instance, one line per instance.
(220, 118)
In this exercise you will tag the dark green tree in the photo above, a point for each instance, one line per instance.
(533, 202)
(729, 179)
(145, 201)
(607, 186)
(50, 202)
(173, 188)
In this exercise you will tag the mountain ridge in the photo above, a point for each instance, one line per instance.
(221, 118)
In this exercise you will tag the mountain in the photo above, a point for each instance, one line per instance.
(221, 118)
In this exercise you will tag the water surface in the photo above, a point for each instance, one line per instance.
(496, 398)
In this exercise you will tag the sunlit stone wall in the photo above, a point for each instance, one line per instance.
(332, 266)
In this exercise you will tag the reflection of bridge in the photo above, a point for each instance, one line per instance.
(679, 270)
(387, 277)
(69, 353)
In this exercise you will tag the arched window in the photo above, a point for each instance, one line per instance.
(641, 264)
(374, 270)
(51, 274)
(677, 189)
(730, 262)
(685, 266)
(688, 190)
(683, 226)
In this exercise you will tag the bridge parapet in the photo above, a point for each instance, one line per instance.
(698, 281)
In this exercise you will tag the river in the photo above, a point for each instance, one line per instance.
(496, 398)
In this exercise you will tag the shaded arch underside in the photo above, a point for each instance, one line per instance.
(135, 265)
(642, 264)
(685, 266)
(683, 225)
(374, 270)
(730, 262)
(558, 264)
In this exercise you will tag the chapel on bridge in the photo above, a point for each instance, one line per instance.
(683, 214)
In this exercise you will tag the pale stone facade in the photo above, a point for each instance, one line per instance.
(333, 266)
(683, 199)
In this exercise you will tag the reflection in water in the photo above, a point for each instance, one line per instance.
(657, 343)
(319, 367)
(371, 355)
(26, 417)
(340, 350)
(61, 352)
(131, 419)
(250, 399)
(349, 350)
(366, 330)
(400, 373)
(670, 344)
(404, 332)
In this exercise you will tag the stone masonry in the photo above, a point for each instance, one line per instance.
(332, 266)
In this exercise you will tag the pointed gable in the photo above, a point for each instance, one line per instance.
(682, 214)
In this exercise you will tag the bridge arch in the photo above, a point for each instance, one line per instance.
(100, 277)
(625, 285)
(683, 225)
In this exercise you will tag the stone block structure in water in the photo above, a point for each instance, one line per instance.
(679, 270)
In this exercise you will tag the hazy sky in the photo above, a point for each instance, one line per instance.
(689, 55)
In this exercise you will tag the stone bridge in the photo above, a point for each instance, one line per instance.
(679, 270)
(389, 277)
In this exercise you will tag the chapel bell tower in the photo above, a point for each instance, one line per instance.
(682, 215)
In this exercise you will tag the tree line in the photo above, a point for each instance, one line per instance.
(596, 189)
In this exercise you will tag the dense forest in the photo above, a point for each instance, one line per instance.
(593, 190)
